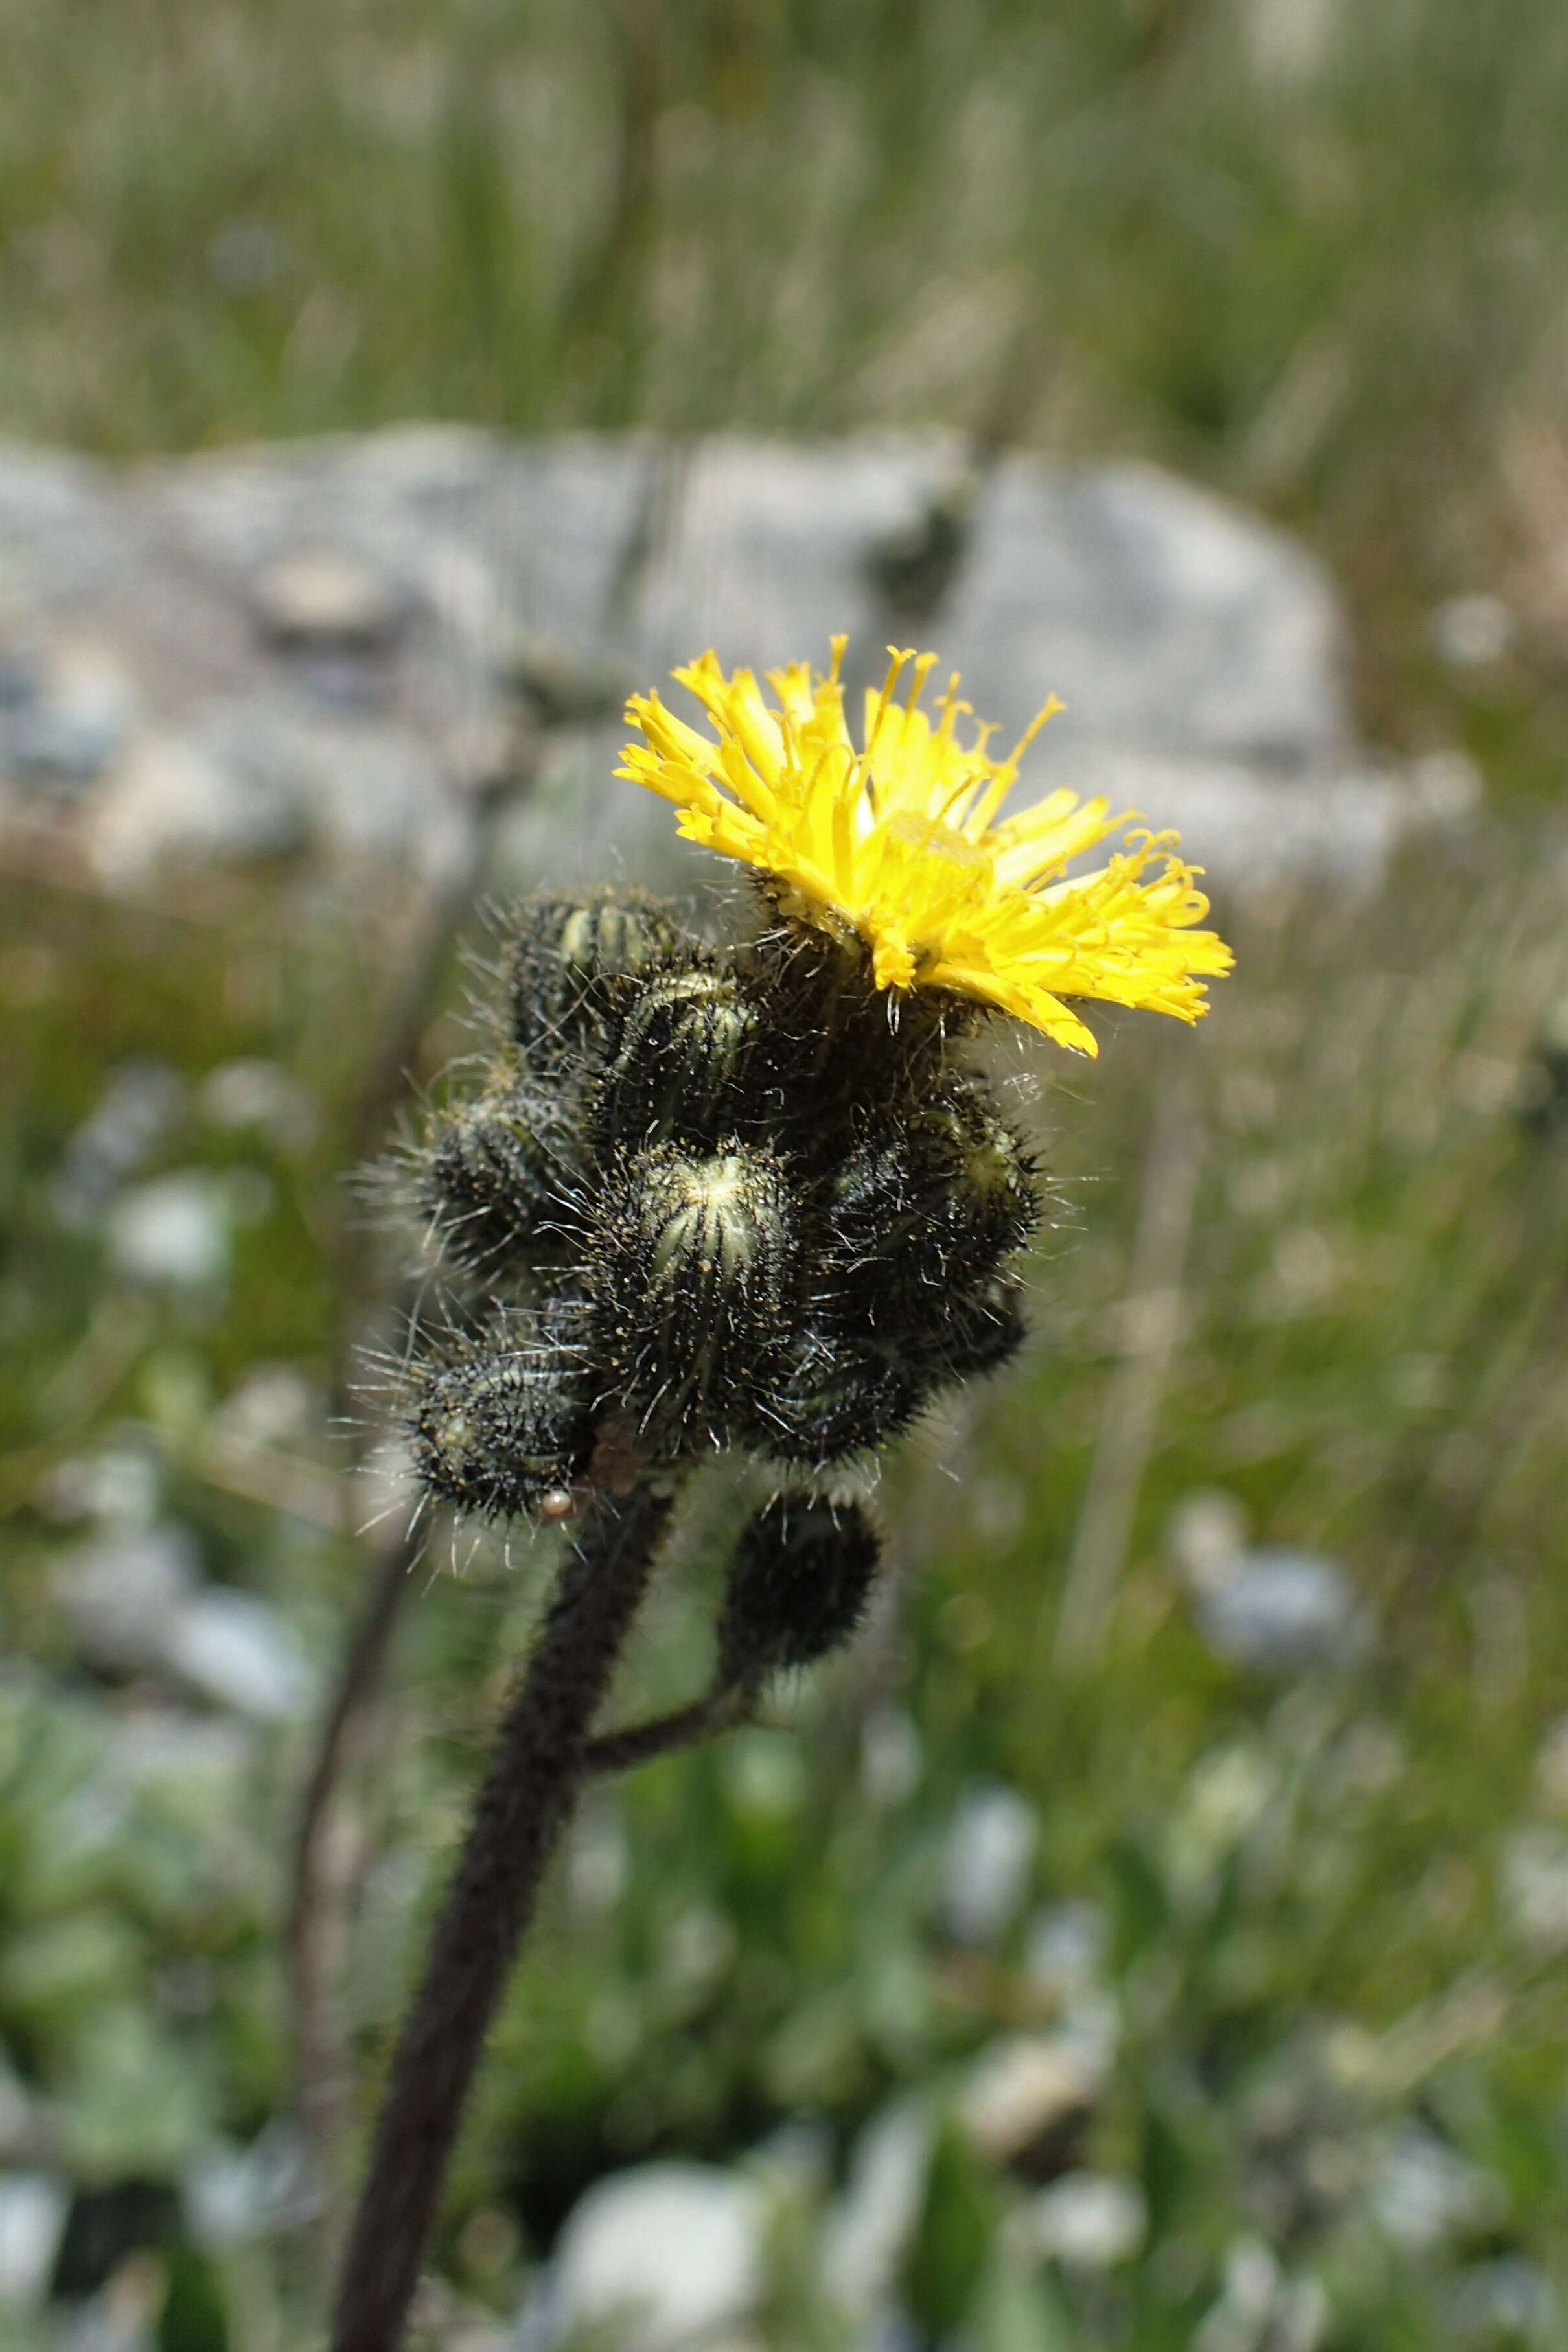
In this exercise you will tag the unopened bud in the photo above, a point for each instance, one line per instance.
(504, 1430)
(562, 962)
(498, 1172)
(678, 1064)
(690, 1275)
(803, 1574)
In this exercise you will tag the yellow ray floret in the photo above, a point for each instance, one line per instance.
(899, 839)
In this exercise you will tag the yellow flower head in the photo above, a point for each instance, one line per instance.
(897, 841)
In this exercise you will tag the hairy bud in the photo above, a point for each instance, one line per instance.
(983, 1330)
(563, 959)
(500, 1429)
(498, 1172)
(801, 1576)
(683, 1045)
(836, 1395)
(928, 1204)
(689, 1270)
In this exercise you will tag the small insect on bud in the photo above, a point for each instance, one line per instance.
(689, 1271)
(927, 1203)
(503, 1431)
(803, 1573)
(679, 1063)
(559, 966)
(835, 1396)
(497, 1174)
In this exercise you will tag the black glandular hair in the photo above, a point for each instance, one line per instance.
(681, 1056)
(563, 962)
(927, 1206)
(501, 1422)
(775, 1206)
(690, 1266)
(801, 1576)
(498, 1175)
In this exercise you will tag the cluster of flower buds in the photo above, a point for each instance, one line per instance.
(708, 1198)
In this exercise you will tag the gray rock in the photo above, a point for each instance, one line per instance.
(1065, 1947)
(322, 599)
(395, 575)
(69, 728)
(123, 1594)
(1534, 1887)
(1279, 1611)
(989, 1855)
(234, 1648)
(179, 800)
(173, 1232)
(263, 1096)
(1167, 622)
(672, 2251)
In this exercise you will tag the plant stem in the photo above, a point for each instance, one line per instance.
(534, 1776)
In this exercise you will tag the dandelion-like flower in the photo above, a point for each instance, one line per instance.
(901, 842)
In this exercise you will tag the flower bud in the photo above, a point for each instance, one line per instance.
(801, 1576)
(689, 1269)
(498, 1172)
(499, 1429)
(835, 1396)
(983, 1331)
(560, 964)
(683, 1045)
(927, 1203)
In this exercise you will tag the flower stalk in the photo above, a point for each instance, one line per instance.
(538, 1767)
(753, 1197)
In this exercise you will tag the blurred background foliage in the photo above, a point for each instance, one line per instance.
(1197, 1980)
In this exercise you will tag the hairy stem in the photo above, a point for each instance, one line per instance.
(535, 1774)
(722, 1708)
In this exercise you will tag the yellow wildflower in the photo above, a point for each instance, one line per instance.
(899, 842)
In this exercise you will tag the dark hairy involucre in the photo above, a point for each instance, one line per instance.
(737, 1197)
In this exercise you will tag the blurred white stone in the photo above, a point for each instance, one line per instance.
(1279, 1611)
(1027, 2086)
(233, 1648)
(873, 2220)
(123, 1594)
(1424, 2192)
(319, 597)
(70, 731)
(174, 1233)
(33, 2211)
(1086, 2221)
(673, 2250)
(889, 1758)
(1472, 632)
(261, 1095)
(1206, 1534)
(141, 1101)
(232, 2196)
(989, 1855)
(1066, 1946)
(1510, 2301)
